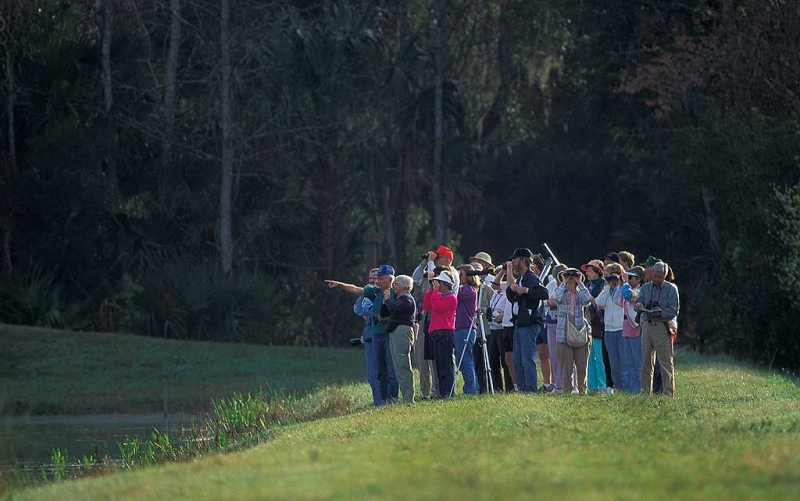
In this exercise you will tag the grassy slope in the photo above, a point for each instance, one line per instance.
(732, 433)
(44, 371)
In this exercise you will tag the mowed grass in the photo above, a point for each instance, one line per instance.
(44, 371)
(732, 432)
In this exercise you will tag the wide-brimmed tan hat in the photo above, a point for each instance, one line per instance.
(483, 256)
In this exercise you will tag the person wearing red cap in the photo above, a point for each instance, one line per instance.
(441, 257)
(441, 303)
(432, 263)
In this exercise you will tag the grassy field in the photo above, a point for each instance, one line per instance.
(732, 432)
(44, 371)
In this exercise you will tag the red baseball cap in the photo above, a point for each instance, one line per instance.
(445, 252)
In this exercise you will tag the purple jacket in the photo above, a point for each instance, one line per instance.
(467, 304)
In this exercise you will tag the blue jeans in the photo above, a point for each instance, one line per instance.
(386, 378)
(613, 342)
(524, 357)
(372, 366)
(632, 363)
(596, 371)
(465, 342)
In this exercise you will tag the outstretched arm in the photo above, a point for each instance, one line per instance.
(352, 289)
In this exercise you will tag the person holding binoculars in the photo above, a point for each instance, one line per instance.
(571, 297)
(610, 302)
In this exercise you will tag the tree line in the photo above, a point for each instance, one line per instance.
(192, 169)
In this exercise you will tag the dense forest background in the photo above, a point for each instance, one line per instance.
(193, 169)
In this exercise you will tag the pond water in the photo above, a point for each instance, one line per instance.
(28, 442)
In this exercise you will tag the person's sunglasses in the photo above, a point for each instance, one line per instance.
(571, 274)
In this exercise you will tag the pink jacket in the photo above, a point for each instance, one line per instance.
(629, 326)
(442, 308)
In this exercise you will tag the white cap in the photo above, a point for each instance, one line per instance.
(444, 277)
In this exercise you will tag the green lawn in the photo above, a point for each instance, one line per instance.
(44, 371)
(732, 432)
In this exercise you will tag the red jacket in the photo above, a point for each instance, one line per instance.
(442, 308)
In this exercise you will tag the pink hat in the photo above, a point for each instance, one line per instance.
(594, 263)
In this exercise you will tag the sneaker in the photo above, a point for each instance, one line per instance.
(609, 391)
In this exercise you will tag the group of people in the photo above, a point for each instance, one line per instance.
(608, 326)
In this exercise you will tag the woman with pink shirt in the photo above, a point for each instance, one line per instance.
(631, 331)
(441, 302)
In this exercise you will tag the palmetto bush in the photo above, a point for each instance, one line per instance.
(198, 301)
(34, 298)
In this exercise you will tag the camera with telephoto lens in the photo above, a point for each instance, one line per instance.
(356, 341)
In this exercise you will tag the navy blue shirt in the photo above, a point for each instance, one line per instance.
(400, 310)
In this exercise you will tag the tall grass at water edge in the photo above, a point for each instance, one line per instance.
(233, 423)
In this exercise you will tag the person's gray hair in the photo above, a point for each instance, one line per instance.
(661, 267)
(405, 282)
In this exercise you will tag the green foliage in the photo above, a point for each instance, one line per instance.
(786, 228)
(198, 301)
(35, 298)
(124, 302)
(664, 128)
(59, 465)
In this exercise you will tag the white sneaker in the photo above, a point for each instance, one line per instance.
(609, 391)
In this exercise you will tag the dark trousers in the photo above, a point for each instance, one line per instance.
(444, 345)
(607, 363)
(386, 377)
(501, 376)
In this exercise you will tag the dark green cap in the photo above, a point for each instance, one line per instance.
(651, 260)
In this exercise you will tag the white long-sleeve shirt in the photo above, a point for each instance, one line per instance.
(610, 302)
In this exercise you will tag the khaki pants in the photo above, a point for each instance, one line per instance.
(569, 357)
(656, 341)
(425, 367)
(400, 341)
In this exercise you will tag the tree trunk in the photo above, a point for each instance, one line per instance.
(226, 188)
(112, 181)
(388, 223)
(11, 169)
(170, 93)
(711, 225)
(7, 249)
(505, 57)
(12, 97)
(438, 144)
